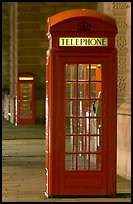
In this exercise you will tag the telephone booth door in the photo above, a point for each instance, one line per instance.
(25, 100)
(81, 84)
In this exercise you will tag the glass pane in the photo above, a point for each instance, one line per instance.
(87, 125)
(99, 132)
(83, 108)
(96, 126)
(96, 72)
(99, 141)
(94, 143)
(70, 161)
(93, 72)
(26, 105)
(70, 125)
(83, 72)
(96, 108)
(26, 100)
(83, 100)
(83, 90)
(82, 126)
(70, 90)
(71, 72)
(25, 114)
(93, 108)
(26, 86)
(93, 126)
(83, 143)
(99, 126)
(71, 108)
(92, 161)
(70, 144)
(95, 89)
(83, 162)
(95, 161)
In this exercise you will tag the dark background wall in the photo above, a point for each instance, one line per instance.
(5, 47)
(31, 43)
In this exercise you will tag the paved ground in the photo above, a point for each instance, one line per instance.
(23, 163)
(10, 131)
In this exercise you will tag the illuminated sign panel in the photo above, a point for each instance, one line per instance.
(26, 78)
(83, 41)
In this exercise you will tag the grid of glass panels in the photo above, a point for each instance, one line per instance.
(83, 118)
(26, 100)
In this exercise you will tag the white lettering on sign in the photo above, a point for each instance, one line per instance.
(83, 41)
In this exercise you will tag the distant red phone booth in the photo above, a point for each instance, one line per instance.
(81, 104)
(25, 99)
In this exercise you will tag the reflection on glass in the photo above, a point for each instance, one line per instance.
(96, 126)
(26, 86)
(95, 89)
(93, 108)
(95, 161)
(70, 144)
(25, 114)
(83, 107)
(93, 126)
(96, 72)
(83, 162)
(26, 100)
(83, 143)
(83, 72)
(82, 128)
(83, 90)
(92, 161)
(93, 73)
(93, 143)
(98, 108)
(70, 161)
(70, 125)
(70, 90)
(83, 121)
(71, 108)
(99, 132)
(87, 123)
(71, 72)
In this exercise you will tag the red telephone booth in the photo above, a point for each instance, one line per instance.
(81, 104)
(25, 99)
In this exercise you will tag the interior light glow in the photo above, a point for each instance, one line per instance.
(26, 78)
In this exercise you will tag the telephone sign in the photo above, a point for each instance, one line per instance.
(83, 41)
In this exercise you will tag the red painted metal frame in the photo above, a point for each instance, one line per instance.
(58, 180)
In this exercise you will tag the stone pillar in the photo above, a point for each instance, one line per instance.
(5, 47)
(13, 58)
(12, 109)
(5, 58)
(121, 11)
(128, 56)
(7, 107)
(13, 48)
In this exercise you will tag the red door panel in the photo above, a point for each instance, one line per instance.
(79, 138)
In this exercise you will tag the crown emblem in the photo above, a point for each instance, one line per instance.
(83, 26)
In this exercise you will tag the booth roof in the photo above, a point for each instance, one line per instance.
(68, 14)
